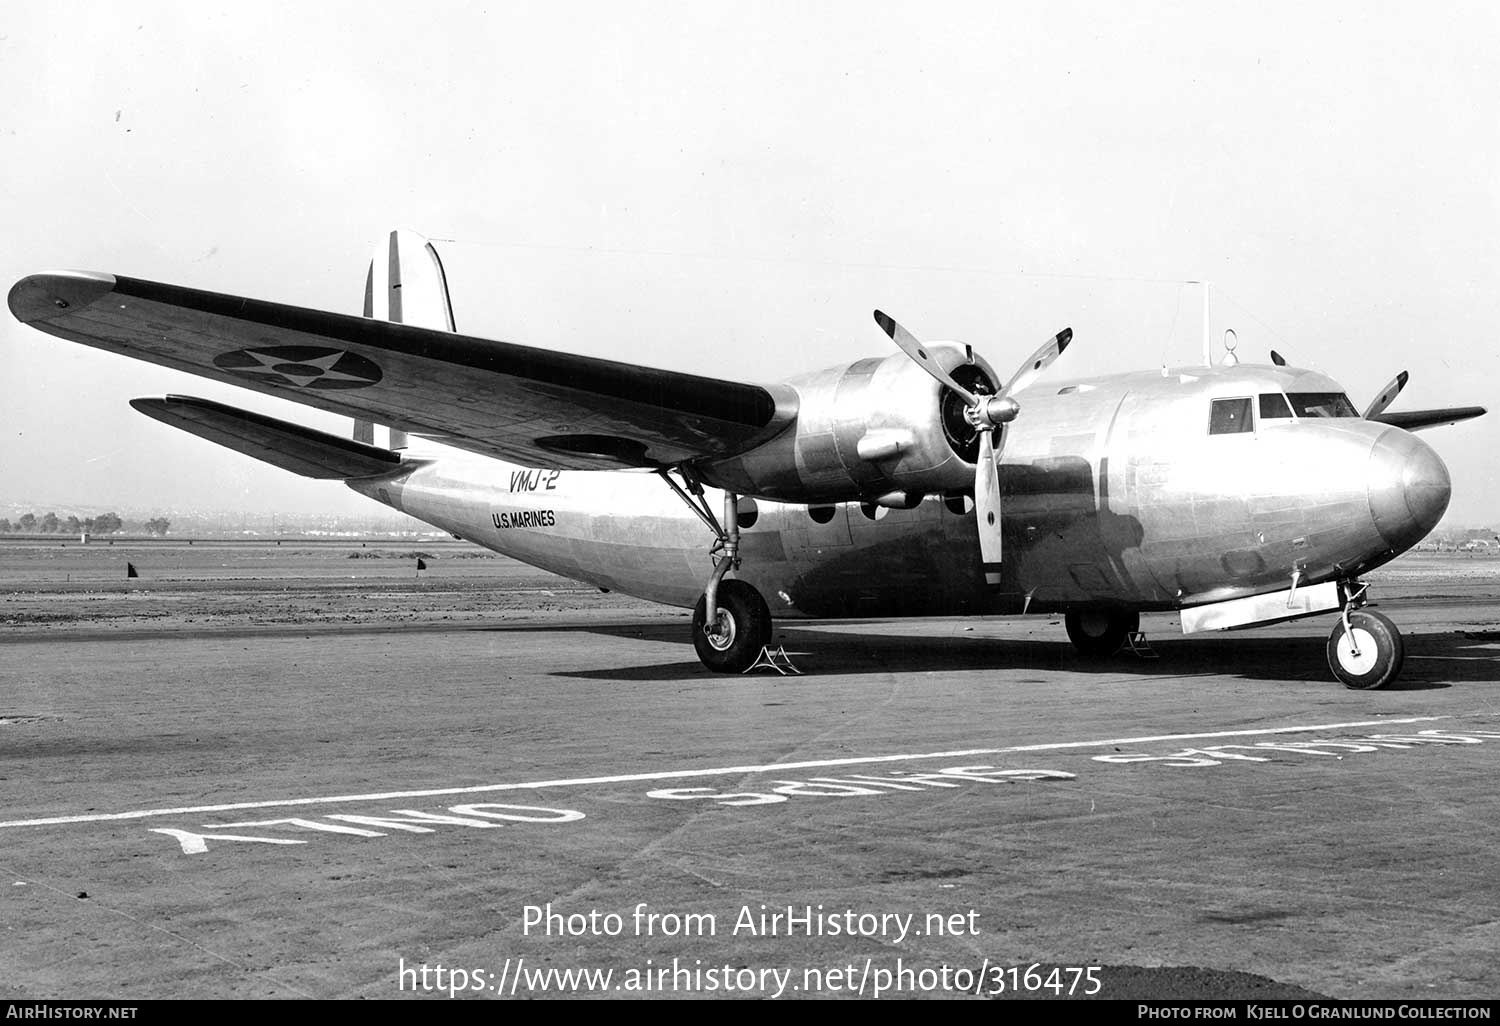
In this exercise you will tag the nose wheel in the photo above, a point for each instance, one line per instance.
(1365, 650)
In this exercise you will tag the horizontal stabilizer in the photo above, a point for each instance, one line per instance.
(288, 446)
(1416, 420)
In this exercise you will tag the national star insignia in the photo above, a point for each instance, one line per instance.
(302, 366)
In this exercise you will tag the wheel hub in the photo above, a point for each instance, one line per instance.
(721, 632)
(1094, 623)
(1358, 651)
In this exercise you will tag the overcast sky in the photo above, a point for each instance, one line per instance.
(732, 188)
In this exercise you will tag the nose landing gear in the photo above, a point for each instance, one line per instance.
(1365, 650)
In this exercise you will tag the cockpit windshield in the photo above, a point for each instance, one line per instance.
(1322, 404)
(1273, 406)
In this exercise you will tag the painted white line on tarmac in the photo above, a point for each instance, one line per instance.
(718, 771)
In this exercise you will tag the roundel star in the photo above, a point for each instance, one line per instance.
(302, 366)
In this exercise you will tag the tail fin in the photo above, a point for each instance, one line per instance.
(405, 284)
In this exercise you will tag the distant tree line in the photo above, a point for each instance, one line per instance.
(51, 523)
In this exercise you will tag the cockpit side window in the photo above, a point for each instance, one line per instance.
(1322, 404)
(1274, 405)
(1230, 417)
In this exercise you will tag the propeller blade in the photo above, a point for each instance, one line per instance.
(988, 414)
(1278, 359)
(909, 345)
(1386, 397)
(987, 506)
(1028, 371)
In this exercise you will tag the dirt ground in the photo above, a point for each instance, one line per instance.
(217, 583)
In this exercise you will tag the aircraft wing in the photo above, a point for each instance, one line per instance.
(1416, 420)
(517, 403)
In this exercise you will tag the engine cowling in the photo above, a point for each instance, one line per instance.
(877, 430)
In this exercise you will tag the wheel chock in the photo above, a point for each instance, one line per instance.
(1137, 643)
(777, 660)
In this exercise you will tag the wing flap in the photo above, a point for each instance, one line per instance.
(287, 446)
(1416, 420)
(517, 403)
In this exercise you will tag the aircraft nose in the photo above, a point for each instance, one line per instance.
(1409, 488)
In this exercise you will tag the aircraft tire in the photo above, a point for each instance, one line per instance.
(1099, 633)
(1381, 651)
(747, 628)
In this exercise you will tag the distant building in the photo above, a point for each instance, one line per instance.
(1480, 539)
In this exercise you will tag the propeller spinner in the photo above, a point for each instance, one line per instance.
(987, 413)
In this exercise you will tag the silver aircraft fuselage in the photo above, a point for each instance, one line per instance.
(1149, 491)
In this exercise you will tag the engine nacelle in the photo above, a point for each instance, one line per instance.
(878, 430)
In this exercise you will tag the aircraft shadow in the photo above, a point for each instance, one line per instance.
(1432, 660)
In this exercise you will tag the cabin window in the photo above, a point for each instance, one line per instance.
(1322, 404)
(821, 514)
(1273, 405)
(749, 514)
(1230, 417)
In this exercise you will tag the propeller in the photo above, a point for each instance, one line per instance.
(988, 413)
(1386, 397)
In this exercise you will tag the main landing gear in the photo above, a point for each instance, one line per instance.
(1099, 633)
(1365, 650)
(731, 623)
(741, 628)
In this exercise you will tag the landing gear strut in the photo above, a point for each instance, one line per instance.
(1365, 650)
(731, 623)
(1099, 633)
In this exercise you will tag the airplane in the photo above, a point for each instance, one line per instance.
(917, 483)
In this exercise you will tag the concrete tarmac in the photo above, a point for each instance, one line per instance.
(288, 785)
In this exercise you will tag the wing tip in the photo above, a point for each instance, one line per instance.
(1417, 420)
(157, 406)
(42, 297)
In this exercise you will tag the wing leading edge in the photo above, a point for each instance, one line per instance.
(513, 402)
